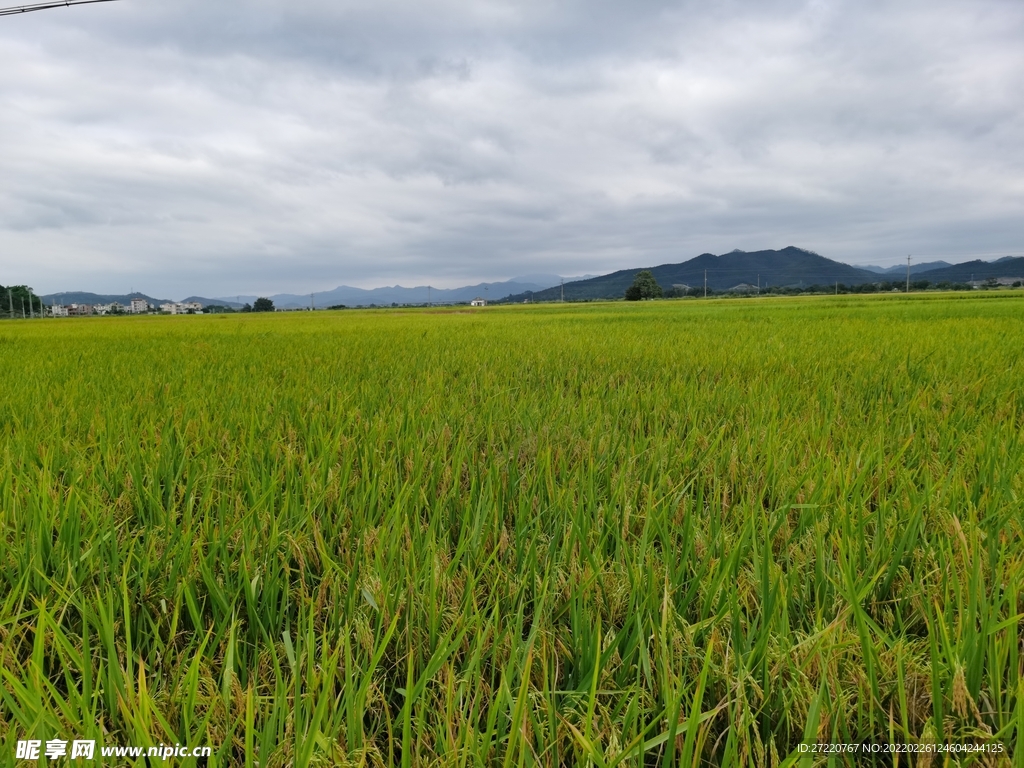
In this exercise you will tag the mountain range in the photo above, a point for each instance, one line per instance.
(1008, 266)
(342, 295)
(789, 266)
(353, 297)
(901, 269)
(84, 297)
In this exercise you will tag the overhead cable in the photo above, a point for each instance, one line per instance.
(43, 6)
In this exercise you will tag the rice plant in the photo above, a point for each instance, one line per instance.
(664, 533)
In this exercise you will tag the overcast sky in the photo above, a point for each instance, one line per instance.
(227, 147)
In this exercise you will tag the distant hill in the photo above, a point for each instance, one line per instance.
(217, 302)
(787, 267)
(83, 297)
(361, 297)
(347, 295)
(1008, 266)
(737, 270)
(901, 269)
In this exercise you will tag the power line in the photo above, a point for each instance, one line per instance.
(43, 6)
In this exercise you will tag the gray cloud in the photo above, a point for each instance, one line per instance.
(266, 146)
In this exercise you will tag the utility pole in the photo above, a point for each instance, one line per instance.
(837, 287)
(908, 273)
(758, 283)
(22, 307)
(562, 283)
(312, 303)
(706, 283)
(428, 295)
(10, 303)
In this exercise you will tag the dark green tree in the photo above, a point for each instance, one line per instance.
(644, 287)
(263, 304)
(18, 299)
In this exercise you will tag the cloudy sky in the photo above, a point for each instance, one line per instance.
(193, 147)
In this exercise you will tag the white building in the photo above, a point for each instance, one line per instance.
(478, 302)
(58, 310)
(139, 307)
(181, 307)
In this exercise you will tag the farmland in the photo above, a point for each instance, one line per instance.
(687, 532)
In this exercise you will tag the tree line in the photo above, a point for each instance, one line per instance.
(19, 301)
(645, 286)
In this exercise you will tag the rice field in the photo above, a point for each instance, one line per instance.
(666, 533)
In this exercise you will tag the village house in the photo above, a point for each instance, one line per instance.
(182, 307)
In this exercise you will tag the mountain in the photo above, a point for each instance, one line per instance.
(901, 269)
(789, 266)
(786, 267)
(355, 297)
(548, 281)
(347, 295)
(1008, 266)
(217, 302)
(83, 297)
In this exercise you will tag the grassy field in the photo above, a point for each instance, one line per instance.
(669, 533)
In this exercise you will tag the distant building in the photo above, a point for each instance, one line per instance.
(139, 307)
(58, 310)
(79, 310)
(181, 307)
(478, 302)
